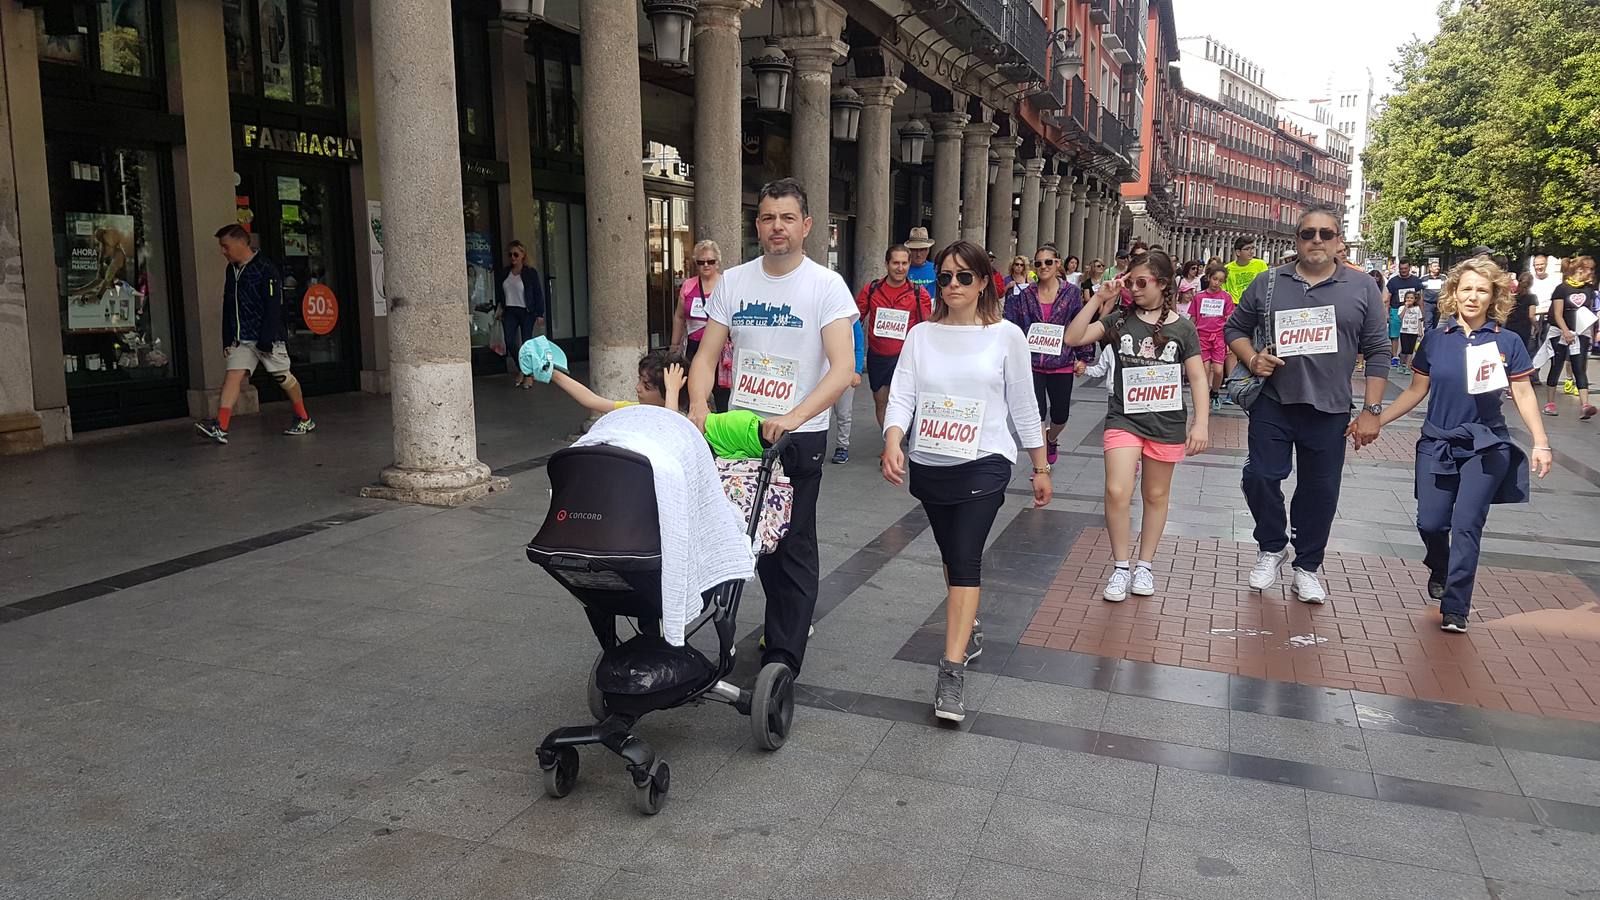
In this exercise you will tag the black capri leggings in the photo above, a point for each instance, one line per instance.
(1054, 393)
(1559, 361)
(1408, 343)
(961, 502)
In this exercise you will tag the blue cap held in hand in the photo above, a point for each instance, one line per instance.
(540, 357)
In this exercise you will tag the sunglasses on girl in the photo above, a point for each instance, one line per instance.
(965, 277)
(1141, 282)
(1043, 263)
(1327, 234)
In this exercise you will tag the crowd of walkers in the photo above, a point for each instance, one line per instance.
(969, 366)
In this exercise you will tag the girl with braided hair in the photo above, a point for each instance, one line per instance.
(1157, 350)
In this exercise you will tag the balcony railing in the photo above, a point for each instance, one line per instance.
(1027, 35)
(1056, 96)
(1100, 12)
(1112, 134)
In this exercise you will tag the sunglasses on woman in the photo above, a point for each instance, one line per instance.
(705, 262)
(1327, 234)
(965, 277)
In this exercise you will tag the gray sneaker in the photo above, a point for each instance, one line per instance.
(947, 692)
(975, 642)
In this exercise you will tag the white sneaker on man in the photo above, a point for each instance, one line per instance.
(1265, 573)
(1308, 587)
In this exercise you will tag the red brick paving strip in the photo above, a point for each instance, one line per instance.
(1376, 633)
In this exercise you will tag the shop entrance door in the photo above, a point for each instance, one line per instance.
(301, 215)
(563, 260)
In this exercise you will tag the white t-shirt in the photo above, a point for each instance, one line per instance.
(783, 318)
(513, 289)
(988, 363)
(1544, 287)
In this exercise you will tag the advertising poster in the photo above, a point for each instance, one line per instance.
(99, 269)
(380, 301)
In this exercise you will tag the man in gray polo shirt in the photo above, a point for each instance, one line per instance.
(1324, 315)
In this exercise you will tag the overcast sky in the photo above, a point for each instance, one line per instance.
(1298, 48)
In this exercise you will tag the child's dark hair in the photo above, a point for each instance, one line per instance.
(653, 366)
(1160, 265)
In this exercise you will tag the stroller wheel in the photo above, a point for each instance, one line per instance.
(560, 778)
(597, 699)
(649, 797)
(772, 706)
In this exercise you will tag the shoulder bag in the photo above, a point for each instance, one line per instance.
(1244, 386)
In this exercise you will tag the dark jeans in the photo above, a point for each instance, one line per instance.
(1561, 359)
(789, 574)
(1451, 510)
(1316, 441)
(517, 323)
(1054, 393)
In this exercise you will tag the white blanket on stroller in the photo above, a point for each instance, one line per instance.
(703, 541)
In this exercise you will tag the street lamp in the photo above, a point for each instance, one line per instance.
(673, 24)
(846, 104)
(994, 167)
(521, 10)
(772, 70)
(914, 136)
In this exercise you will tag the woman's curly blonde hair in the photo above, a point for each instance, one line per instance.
(1501, 300)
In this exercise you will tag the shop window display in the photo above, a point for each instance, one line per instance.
(482, 257)
(111, 253)
(280, 50)
(113, 36)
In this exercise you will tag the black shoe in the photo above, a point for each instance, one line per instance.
(1455, 624)
(1435, 589)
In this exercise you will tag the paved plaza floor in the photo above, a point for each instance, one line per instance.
(225, 675)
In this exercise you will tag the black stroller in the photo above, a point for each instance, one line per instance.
(609, 558)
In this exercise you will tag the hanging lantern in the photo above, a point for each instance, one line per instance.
(994, 168)
(1016, 178)
(846, 104)
(673, 24)
(914, 136)
(521, 10)
(772, 70)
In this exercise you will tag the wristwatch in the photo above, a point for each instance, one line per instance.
(1374, 408)
(1042, 470)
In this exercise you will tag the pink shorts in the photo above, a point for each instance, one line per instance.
(1213, 349)
(1116, 439)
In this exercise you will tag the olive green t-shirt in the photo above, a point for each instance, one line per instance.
(1139, 356)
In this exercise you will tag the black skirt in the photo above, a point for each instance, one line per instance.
(974, 480)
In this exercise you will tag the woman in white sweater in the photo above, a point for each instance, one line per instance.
(965, 380)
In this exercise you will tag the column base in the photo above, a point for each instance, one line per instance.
(375, 381)
(20, 433)
(435, 488)
(203, 403)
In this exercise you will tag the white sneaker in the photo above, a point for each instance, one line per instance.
(1117, 588)
(1144, 581)
(1308, 588)
(1265, 573)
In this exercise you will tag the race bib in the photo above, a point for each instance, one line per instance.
(1306, 332)
(1152, 389)
(1211, 306)
(1583, 319)
(1485, 371)
(697, 306)
(1046, 339)
(764, 383)
(891, 323)
(948, 426)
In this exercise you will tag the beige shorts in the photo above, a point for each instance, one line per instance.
(247, 357)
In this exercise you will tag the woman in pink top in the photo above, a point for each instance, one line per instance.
(689, 316)
(1210, 309)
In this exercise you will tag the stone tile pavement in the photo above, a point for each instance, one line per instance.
(348, 710)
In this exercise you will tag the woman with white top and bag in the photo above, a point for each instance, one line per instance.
(965, 379)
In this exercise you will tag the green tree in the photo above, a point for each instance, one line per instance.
(1493, 133)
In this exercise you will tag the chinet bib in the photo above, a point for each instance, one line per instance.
(1305, 332)
(1152, 389)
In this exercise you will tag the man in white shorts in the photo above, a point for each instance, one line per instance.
(252, 333)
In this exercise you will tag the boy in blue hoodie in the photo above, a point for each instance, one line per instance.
(252, 333)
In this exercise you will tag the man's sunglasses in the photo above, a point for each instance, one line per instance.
(1311, 234)
(966, 278)
(705, 262)
(1043, 263)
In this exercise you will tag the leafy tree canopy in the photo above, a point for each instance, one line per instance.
(1493, 133)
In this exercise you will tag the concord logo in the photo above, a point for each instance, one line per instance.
(563, 515)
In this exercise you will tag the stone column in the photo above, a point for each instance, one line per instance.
(810, 35)
(1064, 215)
(1048, 186)
(1001, 241)
(1113, 220)
(874, 200)
(435, 433)
(1081, 246)
(1028, 212)
(975, 140)
(717, 156)
(947, 179)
